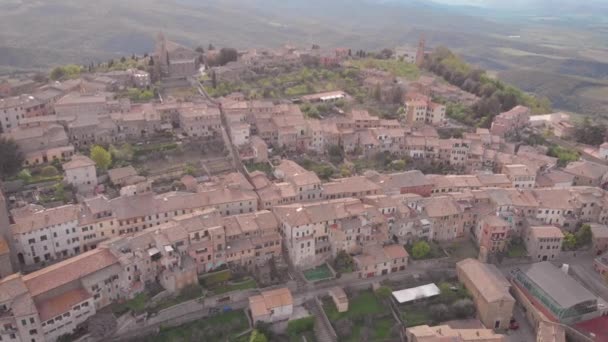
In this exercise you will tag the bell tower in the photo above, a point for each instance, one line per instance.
(420, 52)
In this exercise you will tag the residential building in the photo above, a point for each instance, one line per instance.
(357, 187)
(408, 182)
(15, 110)
(124, 176)
(599, 239)
(492, 232)
(544, 242)
(6, 267)
(200, 121)
(490, 291)
(453, 183)
(81, 173)
(271, 306)
(377, 260)
(314, 232)
(76, 105)
(446, 217)
(306, 184)
(508, 122)
(340, 298)
(425, 333)
(603, 151)
(587, 173)
(554, 179)
(42, 144)
(521, 176)
(239, 133)
(138, 123)
(44, 235)
(420, 109)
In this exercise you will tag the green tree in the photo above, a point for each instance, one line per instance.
(123, 153)
(344, 262)
(24, 175)
(583, 235)
(101, 157)
(11, 157)
(383, 292)
(569, 241)
(420, 250)
(57, 73)
(336, 154)
(257, 336)
(399, 165)
(447, 294)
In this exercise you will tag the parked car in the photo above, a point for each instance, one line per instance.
(513, 325)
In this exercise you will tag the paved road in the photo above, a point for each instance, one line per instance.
(525, 332)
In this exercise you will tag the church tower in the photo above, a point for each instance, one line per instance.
(161, 54)
(420, 52)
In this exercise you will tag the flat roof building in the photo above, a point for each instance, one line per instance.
(562, 298)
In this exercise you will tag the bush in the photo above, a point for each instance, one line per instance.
(298, 326)
(344, 262)
(25, 175)
(213, 279)
(421, 249)
(344, 327)
(463, 308)
(439, 312)
(49, 171)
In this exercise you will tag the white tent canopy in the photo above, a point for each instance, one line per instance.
(420, 292)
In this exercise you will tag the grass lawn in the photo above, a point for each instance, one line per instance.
(223, 327)
(462, 249)
(264, 167)
(365, 303)
(318, 273)
(185, 295)
(249, 283)
(516, 250)
(382, 327)
(394, 67)
(136, 304)
(414, 316)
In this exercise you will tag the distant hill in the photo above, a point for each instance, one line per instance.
(539, 36)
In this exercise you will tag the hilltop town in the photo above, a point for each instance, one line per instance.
(295, 194)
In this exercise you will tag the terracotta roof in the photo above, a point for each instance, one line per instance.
(77, 162)
(488, 280)
(546, 232)
(69, 270)
(118, 174)
(395, 251)
(57, 305)
(4, 249)
(299, 214)
(493, 179)
(587, 169)
(441, 206)
(518, 170)
(45, 218)
(266, 301)
(349, 185)
(600, 231)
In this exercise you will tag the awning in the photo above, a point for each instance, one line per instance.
(153, 251)
(420, 292)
